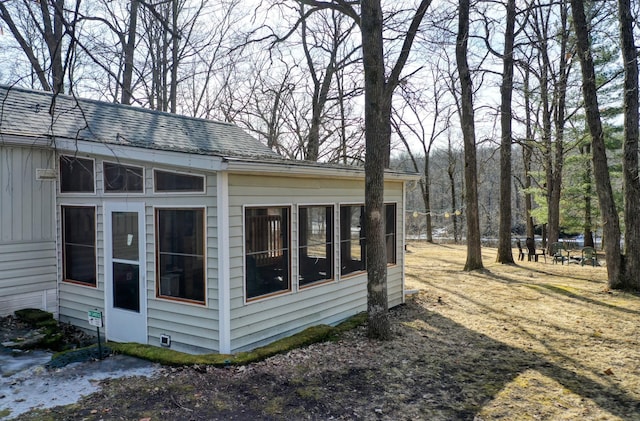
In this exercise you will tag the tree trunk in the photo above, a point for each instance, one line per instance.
(474, 252)
(129, 50)
(505, 253)
(376, 146)
(611, 225)
(631, 267)
(526, 156)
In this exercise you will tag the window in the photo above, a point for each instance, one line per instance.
(353, 244)
(122, 178)
(390, 232)
(315, 244)
(267, 247)
(79, 244)
(180, 254)
(171, 182)
(76, 175)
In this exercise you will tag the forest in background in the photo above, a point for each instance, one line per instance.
(488, 96)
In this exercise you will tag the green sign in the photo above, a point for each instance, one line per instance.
(95, 318)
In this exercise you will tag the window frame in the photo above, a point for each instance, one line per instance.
(156, 230)
(179, 192)
(289, 250)
(116, 193)
(331, 240)
(93, 175)
(63, 243)
(363, 249)
(393, 259)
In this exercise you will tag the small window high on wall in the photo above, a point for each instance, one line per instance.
(267, 251)
(76, 175)
(79, 244)
(180, 254)
(172, 182)
(315, 244)
(120, 178)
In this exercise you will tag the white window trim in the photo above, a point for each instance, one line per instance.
(177, 300)
(117, 194)
(62, 244)
(72, 194)
(179, 193)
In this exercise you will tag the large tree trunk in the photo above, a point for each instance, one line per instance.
(474, 251)
(376, 115)
(505, 254)
(611, 225)
(631, 267)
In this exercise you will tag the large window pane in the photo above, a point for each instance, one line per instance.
(352, 239)
(267, 251)
(122, 178)
(79, 244)
(315, 242)
(181, 253)
(76, 175)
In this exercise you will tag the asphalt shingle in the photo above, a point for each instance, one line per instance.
(26, 113)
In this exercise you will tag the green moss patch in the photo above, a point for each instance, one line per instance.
(308, 336)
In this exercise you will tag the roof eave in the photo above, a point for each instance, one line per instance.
(296, 168)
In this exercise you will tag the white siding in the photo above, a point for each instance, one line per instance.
(262, 321)
(27, 241)
(192, 327)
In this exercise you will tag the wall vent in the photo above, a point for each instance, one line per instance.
(165, 340)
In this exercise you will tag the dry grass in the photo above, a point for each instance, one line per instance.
(534, 341)
(574, 343)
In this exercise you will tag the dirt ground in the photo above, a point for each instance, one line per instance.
(536, 341)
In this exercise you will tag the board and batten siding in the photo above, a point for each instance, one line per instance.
(262, 321)
(192, 327)
(27, 231)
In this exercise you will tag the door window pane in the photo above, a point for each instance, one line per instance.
(124, 228)
(126, 286)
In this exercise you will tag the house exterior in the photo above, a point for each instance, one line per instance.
(183, 232)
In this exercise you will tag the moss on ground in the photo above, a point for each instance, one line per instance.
(170, 357)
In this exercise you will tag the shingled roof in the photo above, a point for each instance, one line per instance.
(26, 113)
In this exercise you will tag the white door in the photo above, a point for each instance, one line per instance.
(125, 280)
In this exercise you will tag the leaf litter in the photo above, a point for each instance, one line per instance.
(533, 341)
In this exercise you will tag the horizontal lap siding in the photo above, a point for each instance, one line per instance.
(27, 231)
(191, 327)
(262, 321)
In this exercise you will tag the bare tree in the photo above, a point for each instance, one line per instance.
(505, 254)
(474, 252)
(48, 20)
(611, 224)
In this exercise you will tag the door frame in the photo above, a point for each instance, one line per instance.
(140, 319)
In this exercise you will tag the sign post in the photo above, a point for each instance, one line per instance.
(95, 319)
